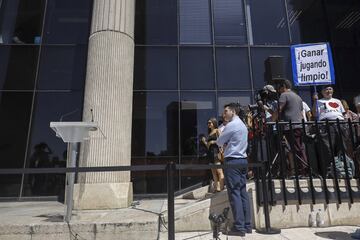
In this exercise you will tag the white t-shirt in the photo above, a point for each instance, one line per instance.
(330, 109)
(305, 110)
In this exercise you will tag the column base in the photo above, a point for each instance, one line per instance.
(97, 196)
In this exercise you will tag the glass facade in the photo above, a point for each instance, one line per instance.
(194, 56)
(191, 57)
(43, 51)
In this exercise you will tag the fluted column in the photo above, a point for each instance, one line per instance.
(108, 91)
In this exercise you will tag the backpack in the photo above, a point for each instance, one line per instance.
(340, 168)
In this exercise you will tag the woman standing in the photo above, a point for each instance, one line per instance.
(213, 150)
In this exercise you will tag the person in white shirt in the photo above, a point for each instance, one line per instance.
(306, 112)
(329, 108)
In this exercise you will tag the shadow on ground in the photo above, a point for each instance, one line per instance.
(336, 235)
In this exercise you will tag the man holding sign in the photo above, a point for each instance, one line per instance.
(329, 108)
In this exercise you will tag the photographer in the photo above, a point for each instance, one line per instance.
(290, 109)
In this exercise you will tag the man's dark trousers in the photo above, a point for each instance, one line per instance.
(239, 200)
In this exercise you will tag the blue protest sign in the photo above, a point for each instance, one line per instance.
(312, 64)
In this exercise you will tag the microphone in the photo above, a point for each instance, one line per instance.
(67, 114)
(92, 115)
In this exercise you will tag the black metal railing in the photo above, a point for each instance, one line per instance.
(269, 161)
(170, 169)
(330, 150)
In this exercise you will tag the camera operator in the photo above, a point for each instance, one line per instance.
(290, 109)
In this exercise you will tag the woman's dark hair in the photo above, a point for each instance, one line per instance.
(214, 123)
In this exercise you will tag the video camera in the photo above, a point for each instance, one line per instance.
(217, 220)
(263, 96)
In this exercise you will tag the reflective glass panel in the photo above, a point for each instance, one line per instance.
(308, 23)
(195, 22)
(344, 22)
(229, 22)
(15, 109)
(258, 58)
(156, 68)
(155, 137)
(21, 21)
(67, 21)
(18, 67)
(195, 110)
(45, 150)
(155, 124)
(156, 22)
(243, 98)
(196, 68)
(232, 68)
(269, 22)
(62, 67)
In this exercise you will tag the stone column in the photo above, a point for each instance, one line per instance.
(108, 91)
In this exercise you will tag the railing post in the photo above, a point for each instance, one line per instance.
(170, 190)
(268, 229)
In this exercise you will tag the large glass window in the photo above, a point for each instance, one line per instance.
(156, 68)
(195, 22)
(156, 22)
(62, 67)
(45, 150)
(29, 68)
(15, 109)
(155, 137)
(344, 22)
(67, 21)
(232, 68)
(307, 21)
(196, 68)
(229, 22)
(18, 67)
(155, 116)
(195, 110)
(21, 21)
(258, 58)
(269, 22)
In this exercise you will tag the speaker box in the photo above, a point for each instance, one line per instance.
(274, 68)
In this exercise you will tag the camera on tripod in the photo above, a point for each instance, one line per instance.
(262, 97)
(217, 221)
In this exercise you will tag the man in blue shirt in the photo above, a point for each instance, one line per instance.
(234, 140)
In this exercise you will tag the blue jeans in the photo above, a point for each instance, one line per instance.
(235, 179)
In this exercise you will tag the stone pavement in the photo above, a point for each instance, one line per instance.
(44, 220)
(334, 233)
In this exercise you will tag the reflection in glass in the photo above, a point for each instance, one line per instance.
(229, 22)
(45, 149)
(196, 68)
(232, 68)
(269, 22)
(155, 124)
(67, 21)
(156, 22)
(62, 67)
(15, 109)
(196, 109)
(195, 22)
(344, 22)
(155, 68)
(243, 98)
(21, 21)
(18, 67)
(258, 57)
(307, 21)
(155, 137)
